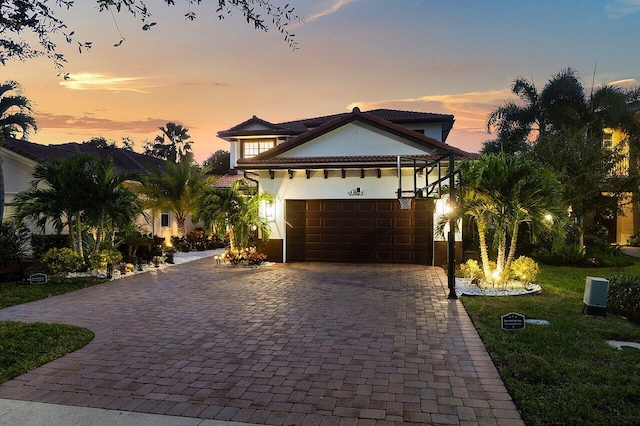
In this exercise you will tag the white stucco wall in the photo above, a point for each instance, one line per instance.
(432, 130)
(356, 139)
(17, 176)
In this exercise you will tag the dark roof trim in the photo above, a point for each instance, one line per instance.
(239, 130)
(334, 162)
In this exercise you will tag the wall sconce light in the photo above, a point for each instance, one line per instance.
(268, 209)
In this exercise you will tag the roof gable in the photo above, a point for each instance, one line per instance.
(253, 126)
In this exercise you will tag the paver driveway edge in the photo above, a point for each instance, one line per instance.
(288, 344)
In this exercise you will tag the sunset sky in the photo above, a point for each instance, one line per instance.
(453, 57)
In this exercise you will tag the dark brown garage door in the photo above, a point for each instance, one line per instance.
(359, 231)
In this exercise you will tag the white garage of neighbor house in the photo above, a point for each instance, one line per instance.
(334, 180)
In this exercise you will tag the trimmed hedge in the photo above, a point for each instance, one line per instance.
(624, 296)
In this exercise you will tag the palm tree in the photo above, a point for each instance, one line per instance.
(59, 193)
(236, 211)
(177, 189)
(172, 145)
(16, 119)
(113, 206)
(81, 193)
(503, 192)
(563, 106)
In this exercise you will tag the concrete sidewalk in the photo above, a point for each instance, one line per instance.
(631, 251)
(24, 413)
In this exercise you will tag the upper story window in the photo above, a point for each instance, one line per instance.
(607, 140)
(251, 148)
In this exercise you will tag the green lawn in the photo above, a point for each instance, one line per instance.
(564, 373)
(25, 346)
(16, 293)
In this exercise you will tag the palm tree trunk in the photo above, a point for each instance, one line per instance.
(484, 252)
(512, 248)
(581, 230)
(232, 239)
(79, 235)
(181, 219)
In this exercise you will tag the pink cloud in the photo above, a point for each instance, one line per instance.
(89, 122)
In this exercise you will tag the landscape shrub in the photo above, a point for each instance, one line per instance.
(609, 256)
(525, 269)
(13, 243)
(107, 256)
(471, 269)
(566, 254)
(180, 244)
(140, 248)
(131, 242)
(196, 240)
(40, 244)
(245, 257)
(624, 296)
(62, 261)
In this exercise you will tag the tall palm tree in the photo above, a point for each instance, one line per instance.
(176, 189)
(172, 145)
(16, 120)
(503, 192)
(563, 106)
(236, 211)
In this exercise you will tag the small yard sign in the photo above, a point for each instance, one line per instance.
(38, 278)
(512, 321)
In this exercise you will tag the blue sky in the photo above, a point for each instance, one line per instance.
(456, 57)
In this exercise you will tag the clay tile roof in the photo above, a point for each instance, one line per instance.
(297, 127)
(125, 161)
(225, 181)
(269, 157)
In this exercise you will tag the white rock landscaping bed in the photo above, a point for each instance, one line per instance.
(464, 287)
(178, 258)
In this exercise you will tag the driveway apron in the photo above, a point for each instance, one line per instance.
(296, 344)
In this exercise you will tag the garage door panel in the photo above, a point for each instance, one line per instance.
(331, 222)
(331, 206)
(404, 239)
(403, 222)
(358, 231)
(348, 222)
(384, 222)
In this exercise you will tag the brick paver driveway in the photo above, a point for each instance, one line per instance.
(287, 344)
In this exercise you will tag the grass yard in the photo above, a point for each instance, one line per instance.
(26, 346)
(564, 373)
(17, 293)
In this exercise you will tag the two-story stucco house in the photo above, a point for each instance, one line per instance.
(334, 180)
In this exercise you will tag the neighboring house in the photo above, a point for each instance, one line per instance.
(623, 221)
(334, 181)
(20, 158)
